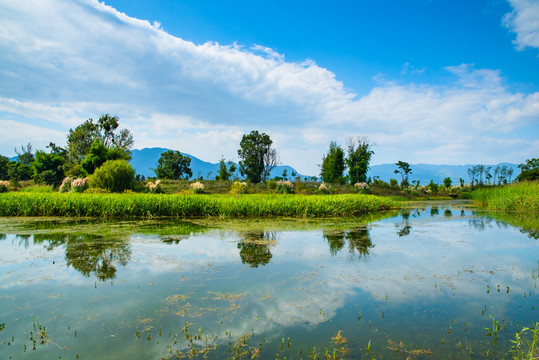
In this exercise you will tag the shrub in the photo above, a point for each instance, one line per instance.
(238, 188)
(323, 189)
(114, 176)
(65, 186)
(285, 187)
(154, 187)
(197, 187)
(393, 183)
(4, 186)
(361, 187)
(79, 185)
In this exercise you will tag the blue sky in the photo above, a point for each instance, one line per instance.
(439, 81)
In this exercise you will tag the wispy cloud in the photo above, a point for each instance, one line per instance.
(64, 61)
(524, 21)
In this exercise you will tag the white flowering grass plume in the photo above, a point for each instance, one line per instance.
(79, 185)
(154, 187)
(197, 187)
(285, 187)
(66, 185)
(238, 188)
(4, 185)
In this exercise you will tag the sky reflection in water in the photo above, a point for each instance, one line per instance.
(429, 277)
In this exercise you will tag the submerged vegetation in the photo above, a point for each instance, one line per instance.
(148, 205)
(519, 197)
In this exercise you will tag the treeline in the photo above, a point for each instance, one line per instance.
(99, 152)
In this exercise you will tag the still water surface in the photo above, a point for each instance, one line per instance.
(422, 283)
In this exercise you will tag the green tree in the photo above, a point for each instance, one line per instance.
(529, 170)
(226, 169)
(113, 175)
(4, 163)
(359, 157)
(80, 139)
(48, 168)
(404, 169)
(173, 165)
(99, 154)
(18, 171)
(25, 157)
(447, 182)
(332, 168)
(254, 148)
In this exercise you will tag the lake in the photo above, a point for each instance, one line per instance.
(436, 280)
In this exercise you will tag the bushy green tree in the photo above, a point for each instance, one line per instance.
(173, 165)
(48, 168)
(99, 153)
(332, 168)
(359, 157)
(447, 182)
(254, 147)
(18, 171)
(529, 170)
(113, 175)
(80, 139)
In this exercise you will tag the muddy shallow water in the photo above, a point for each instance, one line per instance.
(423, 282)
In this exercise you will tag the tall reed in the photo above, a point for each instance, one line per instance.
(520, 197)
(120, 205)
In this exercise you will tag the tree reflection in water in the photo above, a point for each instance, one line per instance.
(90, 254)
(358, 239)
(255, 247)
(404, 227)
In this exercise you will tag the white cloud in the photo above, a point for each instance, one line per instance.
(65, 61)
(524, 21)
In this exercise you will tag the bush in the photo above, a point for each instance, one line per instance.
(66, 185)
(323, 189)
(79, 185)
(285, 187)
(4, 186)
(114, 176)
(154, 187)
(197, 187)
(238, 188)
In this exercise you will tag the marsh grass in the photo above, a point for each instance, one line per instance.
(151, 205)
(520, 197)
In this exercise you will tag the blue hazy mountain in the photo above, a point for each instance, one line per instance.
(144, 160)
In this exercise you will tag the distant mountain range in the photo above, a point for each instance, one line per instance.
(144, 160)
(437, 173)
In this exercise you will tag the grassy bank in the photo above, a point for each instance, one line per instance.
(120, 205)
(521, 197)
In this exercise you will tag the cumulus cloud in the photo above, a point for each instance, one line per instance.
(524, 21)
(64, 61)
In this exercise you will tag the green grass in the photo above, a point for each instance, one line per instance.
(38, 189)
(520, 197)
(120, 205)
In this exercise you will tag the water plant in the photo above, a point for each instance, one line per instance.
(526, 344)
(519, 197)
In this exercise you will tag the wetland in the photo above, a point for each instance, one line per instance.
(440, 280)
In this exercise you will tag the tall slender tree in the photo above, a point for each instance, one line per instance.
(359, 157)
